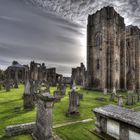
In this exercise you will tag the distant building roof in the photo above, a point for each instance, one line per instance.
(16, 66)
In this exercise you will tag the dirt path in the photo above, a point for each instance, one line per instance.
(69, 123)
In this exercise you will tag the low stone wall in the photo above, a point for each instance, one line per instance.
(13, 130)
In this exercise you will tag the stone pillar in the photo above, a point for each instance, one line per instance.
(43, 130)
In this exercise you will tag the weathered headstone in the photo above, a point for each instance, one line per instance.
(120, 101)
(80, 96)
(112, 96)
(138, 95)
(62, 89)
(28, 97)
(73, 104)
(130, 99)
(57, 95)
(0, 85)
(43, 130)
(105, 91)
(114, 91)
(7, 85)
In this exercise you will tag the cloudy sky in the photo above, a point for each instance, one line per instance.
(52, 31)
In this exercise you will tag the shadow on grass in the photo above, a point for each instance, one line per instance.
(2, 103)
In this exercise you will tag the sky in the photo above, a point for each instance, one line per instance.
(52, 31)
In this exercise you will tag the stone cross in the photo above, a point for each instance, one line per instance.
(43, 130)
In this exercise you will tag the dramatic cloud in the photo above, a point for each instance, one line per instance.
(52, 31)
(78, 10)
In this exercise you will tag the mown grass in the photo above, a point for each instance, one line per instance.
(12, 99)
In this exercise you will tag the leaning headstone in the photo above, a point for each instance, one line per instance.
(73, 104)
(43, 129)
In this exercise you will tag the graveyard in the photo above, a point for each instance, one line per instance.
(46, 95)
(69, 128)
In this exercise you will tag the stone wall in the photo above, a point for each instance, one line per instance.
(13, 130)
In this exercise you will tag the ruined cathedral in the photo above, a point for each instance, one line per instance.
(113, 52)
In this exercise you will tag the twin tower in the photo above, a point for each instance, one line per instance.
(113, 52)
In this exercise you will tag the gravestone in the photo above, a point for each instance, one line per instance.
(0, 85)
(28, 97)
(57, 95)
(138, 95)
(114, 91)
(112, 96)
(73, 104)
(80, 96)
(120, 101)
(43, 129)
(7, 85)
(105, 91)
(62, 89)
(130, 99)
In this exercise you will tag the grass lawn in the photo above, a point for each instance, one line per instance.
(79, 131)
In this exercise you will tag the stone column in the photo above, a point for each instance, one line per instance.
(43, 130)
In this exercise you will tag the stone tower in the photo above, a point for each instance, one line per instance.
(133, 55)
(106, 49)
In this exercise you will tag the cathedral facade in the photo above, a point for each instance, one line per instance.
(113, 51)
